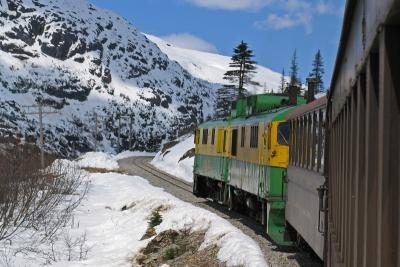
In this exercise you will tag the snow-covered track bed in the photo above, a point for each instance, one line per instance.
(143, 163)
(182, 190)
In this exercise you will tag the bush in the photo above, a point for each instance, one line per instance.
(155, 218)
(35, 199)
(170, 253)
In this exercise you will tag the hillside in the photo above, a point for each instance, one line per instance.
(81, 60)
(211, 67)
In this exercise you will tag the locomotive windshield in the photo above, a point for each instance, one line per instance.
(283, 133)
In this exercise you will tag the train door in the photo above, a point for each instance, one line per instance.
(234, 143)
(223, 149)
(279, 143)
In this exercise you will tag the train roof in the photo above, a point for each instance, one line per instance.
(274, 115)
(316, 104)
(361, 24)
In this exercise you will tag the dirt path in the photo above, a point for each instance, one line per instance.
(273, 255)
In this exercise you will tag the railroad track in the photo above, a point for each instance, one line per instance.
(183, 190)
(144, 165)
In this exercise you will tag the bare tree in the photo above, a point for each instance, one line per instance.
(37, 199)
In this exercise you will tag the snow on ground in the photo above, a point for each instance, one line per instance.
(169, 161)
(107, 161)
(128, 154)
(113, 235)
(99, 160)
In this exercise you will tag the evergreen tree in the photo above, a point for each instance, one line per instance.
(318, 72)
(243, 68)
(282, 86)
(225, 96)
(294, 71)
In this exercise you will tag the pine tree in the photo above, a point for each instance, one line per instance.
(318, 72)
(282, 86)
(225, 96)
(243, 68)
(294, 71)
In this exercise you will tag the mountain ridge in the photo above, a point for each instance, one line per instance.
(211, 66)
(82, 60)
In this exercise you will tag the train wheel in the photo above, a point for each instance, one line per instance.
(195, 186)
(264, 213)
(199, 187)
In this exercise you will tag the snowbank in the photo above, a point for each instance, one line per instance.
(107, 161)
(99, 160)
(128, 154)
(170, 161)
(113, 219)
(115, 235)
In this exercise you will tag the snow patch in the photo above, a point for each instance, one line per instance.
(108, 161)
(129, 154)
(99, 160)
(169, 161)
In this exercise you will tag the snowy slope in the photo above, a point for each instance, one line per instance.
(114, 235)
(211, 67)
(82, 60)
(174, 161)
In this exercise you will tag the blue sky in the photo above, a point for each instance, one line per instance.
(272, 28)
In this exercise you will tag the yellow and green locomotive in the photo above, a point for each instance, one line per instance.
(241, 160)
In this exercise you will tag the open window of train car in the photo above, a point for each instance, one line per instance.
(243, 136)
(234, 142)
(224, 142)
(254, 137)
(205, 136)
(213, 136)
(304, 206)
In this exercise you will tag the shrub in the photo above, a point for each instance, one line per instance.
(35, 199)
(155, 218)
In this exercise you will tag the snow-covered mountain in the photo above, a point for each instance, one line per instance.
(211, 67)
(81, 60)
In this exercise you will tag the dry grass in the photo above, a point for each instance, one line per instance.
(178, 249)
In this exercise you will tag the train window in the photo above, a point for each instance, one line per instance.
(254, 137)
(213, 136)
(205, 136)
(224, 147)
(234, 142)
(283, 133)
(243, 137)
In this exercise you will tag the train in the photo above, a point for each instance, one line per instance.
(363, 139)
(242, 160)
(323, 173)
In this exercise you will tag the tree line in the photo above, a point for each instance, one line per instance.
(241, 74)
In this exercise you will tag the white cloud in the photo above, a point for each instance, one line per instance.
(232, 4)
(189, 41)
(324, 8)
(298, 13)
(287, 21)
(277, 22)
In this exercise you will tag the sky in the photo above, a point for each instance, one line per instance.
(273, 29)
